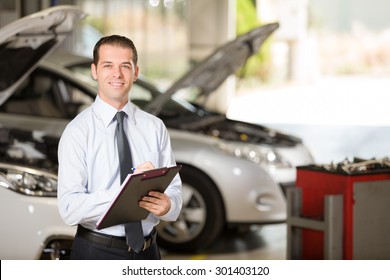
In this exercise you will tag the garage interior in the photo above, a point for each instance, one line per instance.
(338, 210)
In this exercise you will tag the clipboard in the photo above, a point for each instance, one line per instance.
(124, 207)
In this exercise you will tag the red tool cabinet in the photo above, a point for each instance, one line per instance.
(363, 222)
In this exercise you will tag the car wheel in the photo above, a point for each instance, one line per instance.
(201, 219)
(57, 250)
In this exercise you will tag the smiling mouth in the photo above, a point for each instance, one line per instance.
(116, 84)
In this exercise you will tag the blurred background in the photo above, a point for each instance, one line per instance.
(323, 75)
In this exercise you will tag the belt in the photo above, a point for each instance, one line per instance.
(113, 241)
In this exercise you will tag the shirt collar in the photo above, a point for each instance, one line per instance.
(107, 112)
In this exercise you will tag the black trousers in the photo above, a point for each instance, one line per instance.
(83, 249)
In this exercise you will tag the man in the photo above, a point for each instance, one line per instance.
(89, 165)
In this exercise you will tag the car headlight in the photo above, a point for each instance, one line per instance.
(28, 181)
(265, 156)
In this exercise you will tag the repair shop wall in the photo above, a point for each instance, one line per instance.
(211, 24)
(11, 10)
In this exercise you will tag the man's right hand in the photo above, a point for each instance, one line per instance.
(144, 167)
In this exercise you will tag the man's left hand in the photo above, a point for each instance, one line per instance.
(156, 202)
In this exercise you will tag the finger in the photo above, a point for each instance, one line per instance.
(150, 199)
(144, 167)
(159, 195)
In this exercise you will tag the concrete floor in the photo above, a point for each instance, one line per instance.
(260, 243)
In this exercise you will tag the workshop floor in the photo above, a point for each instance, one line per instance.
(260, 243)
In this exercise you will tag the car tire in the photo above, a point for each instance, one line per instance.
(57, 250)
(202, 217)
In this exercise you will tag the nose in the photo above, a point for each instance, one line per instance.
(117, 72)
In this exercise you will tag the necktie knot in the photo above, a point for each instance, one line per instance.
(120, 116)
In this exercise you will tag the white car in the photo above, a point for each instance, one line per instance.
(31, 225)
(233, 173)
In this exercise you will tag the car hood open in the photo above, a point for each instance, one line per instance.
(24, 42)
(210, 73)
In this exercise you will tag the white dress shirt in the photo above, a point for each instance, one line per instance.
(88, 173)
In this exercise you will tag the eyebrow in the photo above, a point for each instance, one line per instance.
(125, 62)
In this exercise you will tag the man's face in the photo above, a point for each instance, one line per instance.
(115, 73)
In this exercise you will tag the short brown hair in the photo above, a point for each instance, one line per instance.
(116, 40)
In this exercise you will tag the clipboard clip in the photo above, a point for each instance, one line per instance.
(154, 173)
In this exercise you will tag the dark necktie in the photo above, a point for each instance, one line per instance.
(134, 233)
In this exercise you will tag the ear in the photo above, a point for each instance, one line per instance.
(93, 71)
(136, 73)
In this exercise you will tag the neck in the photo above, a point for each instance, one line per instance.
(116, 103)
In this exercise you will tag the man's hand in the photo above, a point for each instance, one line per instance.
(144, 167)
(156, 202)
